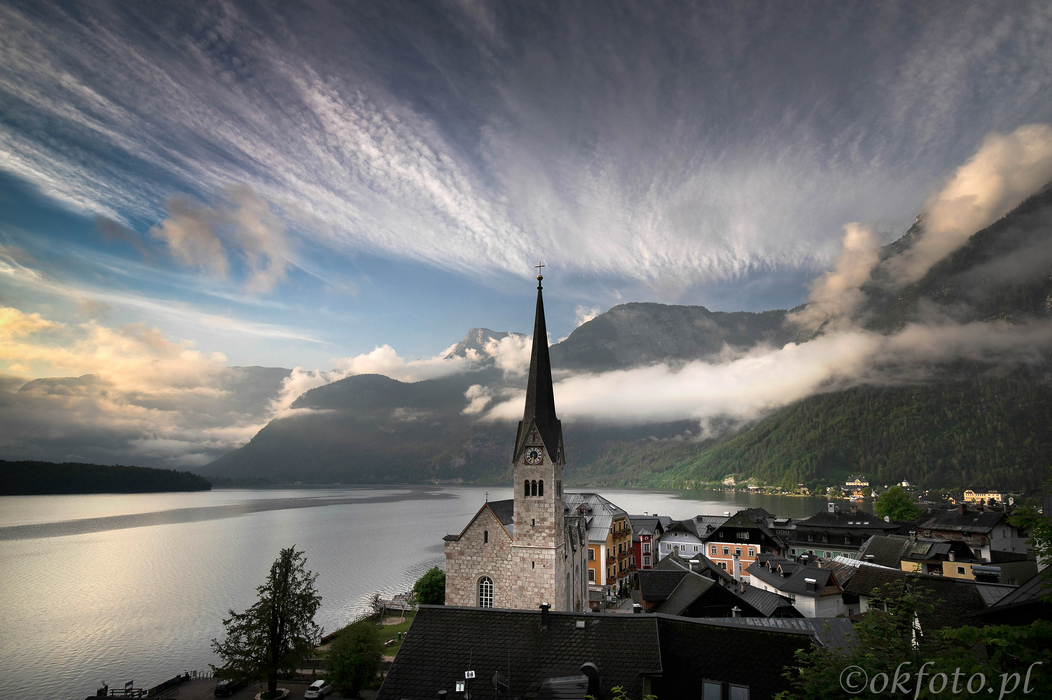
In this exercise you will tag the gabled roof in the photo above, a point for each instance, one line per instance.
(795, 579)
(598, 511)
(835, 632)
(656, 585)
(645, 525)
(765, 601)
(691, 587)
(969, 521)
(446, 641)
(504, 511)
(540, 396)
(886, 550)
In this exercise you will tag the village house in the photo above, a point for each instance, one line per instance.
(832, 533)
(609, 538)
(646, 536)
(984, 531)
(814, 591)
(735, 544)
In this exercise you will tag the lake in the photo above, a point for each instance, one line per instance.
(117, 587)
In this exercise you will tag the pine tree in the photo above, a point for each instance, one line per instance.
(278, 631)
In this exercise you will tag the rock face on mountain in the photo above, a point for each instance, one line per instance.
(635, 334)
(476, 341)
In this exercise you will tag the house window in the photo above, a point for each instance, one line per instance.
(752, 552)
(485, 536)
(591, 575)
(646, 548)
(960, 570)
(591, 554)
(646, 561)
(737, 551)
(726, 551)
(485, 592)
(738, 692)
(695, 548)
(713, 550)
(723, 565)
(711, 690)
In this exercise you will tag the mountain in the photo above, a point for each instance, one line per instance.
(957, 423)
(30, 478)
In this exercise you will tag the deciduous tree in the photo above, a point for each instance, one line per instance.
(897, 504)
(354, 657)
(430, 589)
(278, 631)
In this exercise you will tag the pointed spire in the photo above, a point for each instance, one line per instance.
(540, 397)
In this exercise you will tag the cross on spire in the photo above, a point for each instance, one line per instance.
(539, 265)
(487, 497)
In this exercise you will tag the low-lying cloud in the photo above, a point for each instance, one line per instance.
(764, 379)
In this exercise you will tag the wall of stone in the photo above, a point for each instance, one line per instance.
(470, 558)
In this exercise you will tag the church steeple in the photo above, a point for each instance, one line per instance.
(540, 397)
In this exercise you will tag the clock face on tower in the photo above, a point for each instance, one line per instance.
(534, 455)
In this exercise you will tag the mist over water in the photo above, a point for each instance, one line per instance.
(133, 587)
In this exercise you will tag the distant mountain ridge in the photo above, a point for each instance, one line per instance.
(374, 429)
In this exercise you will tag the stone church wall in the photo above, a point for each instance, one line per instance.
(470, 558)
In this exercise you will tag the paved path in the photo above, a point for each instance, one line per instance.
(202, 690)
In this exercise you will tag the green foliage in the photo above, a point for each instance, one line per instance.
(354, 657)
(278, 631)
(979, 430)
(37, 478)
(888, 641)
(897, 504)
(430, 589)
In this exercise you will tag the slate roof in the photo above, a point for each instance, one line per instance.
(970, 521)
(1032, 589)
(540, 397)
(445, 641)
(765, 601)
(833, 632)
(600, 513)
(954, 600)
(824, 519)
(694, 650)
(504, 510)
(886, 551)
(645, 524)
(690, 588)
(1022, 605)
(795, 582)
(656, 585)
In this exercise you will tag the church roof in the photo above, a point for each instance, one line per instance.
(540, 397)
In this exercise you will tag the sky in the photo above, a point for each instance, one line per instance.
(187, 187)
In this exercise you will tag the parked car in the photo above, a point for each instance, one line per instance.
(317, 689)
(226, 688)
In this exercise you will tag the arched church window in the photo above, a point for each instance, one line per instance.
(526, 488)
(540, 487)
(533, 488)
(485, 537)
(485, 592)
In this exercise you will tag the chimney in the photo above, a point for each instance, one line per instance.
(442, 694)
(592, 671)
(913, 535)
(637, 608)
(737, 564)
(952, 557)
(961, 509)
(831, 507)
(736, 611)
(545, 607)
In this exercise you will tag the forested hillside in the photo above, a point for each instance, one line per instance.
(39, 478)
(982, 431)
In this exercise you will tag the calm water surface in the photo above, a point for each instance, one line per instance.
(133, 587)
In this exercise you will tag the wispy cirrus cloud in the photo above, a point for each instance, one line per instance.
(666, 144)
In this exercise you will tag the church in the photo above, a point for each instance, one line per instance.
(529, 550)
